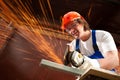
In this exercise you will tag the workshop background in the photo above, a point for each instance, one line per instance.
(30, 31)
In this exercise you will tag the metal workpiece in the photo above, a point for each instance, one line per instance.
(94, 73)
(61, 67)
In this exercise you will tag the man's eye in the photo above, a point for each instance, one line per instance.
(73, 25)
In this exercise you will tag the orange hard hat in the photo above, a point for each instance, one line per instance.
(68, 17)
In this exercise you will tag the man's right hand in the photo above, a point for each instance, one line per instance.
(67, 55)
(77, 59)
(73, 57)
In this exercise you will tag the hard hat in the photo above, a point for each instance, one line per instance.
(69, 17)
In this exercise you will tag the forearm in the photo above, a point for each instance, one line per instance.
(110, 61)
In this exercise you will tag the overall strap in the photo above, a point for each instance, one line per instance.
(77, 45)
(94, 41)
(97, 53)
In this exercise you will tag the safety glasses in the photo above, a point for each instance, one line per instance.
(71, 27)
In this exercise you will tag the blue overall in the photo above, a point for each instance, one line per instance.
(97, 54)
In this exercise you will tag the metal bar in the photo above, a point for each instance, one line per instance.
(61, 67)
(99, 73)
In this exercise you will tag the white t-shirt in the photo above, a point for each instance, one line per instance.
(104, 42)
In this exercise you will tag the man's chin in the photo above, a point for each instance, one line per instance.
(76, 37)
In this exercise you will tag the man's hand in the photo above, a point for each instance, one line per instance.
(77, 59)
(73, 57)
(67, 55)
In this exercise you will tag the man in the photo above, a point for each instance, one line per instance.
(96, 46)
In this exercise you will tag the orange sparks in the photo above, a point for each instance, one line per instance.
(28, 25)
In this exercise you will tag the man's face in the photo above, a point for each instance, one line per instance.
(74, 29)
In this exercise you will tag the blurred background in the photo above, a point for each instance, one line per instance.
(30, 31)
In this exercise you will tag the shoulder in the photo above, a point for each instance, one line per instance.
(73, 42)
(105, 40)
(103, 34)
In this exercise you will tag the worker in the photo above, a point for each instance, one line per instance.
(95, 46)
